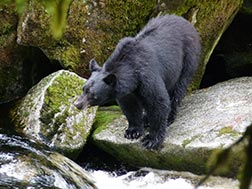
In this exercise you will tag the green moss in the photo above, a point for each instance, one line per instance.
(228, 131)
(69, 56)
(8, 23)
(35, 30)
(129, 16)
(104, 116)
(26, 113)
(54, 102)
(188, 141)
(117, 19)
(125, 18)
(8, 19)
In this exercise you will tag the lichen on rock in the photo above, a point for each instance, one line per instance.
(47, 113)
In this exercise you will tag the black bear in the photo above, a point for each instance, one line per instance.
(147, 75)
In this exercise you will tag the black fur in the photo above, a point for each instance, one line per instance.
(148, 73)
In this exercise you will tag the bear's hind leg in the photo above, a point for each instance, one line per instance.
(156, 102)
(133, 111)
(180, 89)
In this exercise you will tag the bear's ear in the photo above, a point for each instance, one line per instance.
(110, 80)
(93, 66)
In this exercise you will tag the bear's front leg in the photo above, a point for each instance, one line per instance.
(156, 102)
(133, 111)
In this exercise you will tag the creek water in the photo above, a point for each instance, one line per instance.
(132, 180)
(156, 179)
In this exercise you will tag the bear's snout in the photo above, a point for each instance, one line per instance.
(82, 102)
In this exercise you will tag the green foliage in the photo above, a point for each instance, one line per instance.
(20, 5)
(58, 10)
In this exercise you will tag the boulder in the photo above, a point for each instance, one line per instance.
(24, 164)
(47, 114)
(208, 119)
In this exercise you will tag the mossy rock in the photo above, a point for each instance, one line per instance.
(208, 120)
(94, 27)
(47, 114)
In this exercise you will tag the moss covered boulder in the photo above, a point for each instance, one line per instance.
(95, 27)
(207, 120)
(47, 115)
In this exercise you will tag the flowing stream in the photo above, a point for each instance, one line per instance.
(107, 172)
(156, 179)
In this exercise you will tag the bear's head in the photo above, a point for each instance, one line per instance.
(98, 89)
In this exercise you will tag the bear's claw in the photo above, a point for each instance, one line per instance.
(133, 133)
(151, 143)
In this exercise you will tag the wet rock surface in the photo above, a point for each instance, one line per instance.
(24, 164)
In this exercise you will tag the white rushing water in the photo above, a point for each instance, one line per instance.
(155, 180)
